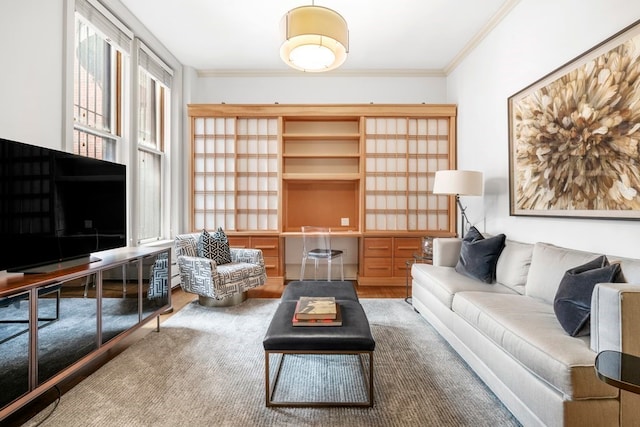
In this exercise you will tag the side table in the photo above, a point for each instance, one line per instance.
(618, 369)
(417, 258)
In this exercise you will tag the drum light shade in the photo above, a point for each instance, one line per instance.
(462, 183)
(459, 183)
(316, 39)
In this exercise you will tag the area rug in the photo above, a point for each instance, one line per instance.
(206, 368)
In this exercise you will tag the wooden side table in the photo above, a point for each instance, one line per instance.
(618, 369)
(417, 258)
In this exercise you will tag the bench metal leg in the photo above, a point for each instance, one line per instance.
(270, 387)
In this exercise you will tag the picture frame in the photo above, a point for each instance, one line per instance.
(574, 136)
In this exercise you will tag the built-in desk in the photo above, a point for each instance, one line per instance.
(346, 241)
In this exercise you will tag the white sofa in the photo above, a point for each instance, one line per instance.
(509, 334)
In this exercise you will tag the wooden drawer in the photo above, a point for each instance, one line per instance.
(268, 245)
(239, 242)
(271, 266)
(405, 247)
(377, 267)
(400, 267)
(378, 247)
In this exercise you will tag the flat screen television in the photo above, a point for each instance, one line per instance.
(56, 206)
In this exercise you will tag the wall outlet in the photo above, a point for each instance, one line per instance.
(344, 222)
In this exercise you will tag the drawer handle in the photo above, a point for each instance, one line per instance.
(269, 266)
(378, 247)
(378, 268)
(405, 248)
(266, 247)
(239, 247)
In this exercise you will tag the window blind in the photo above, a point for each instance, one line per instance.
(105, 22)
(154, 65)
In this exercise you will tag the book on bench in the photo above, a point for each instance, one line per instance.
(318, 322)
(316, 308)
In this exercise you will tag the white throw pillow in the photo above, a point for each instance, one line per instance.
(548, 265)
(513, 265)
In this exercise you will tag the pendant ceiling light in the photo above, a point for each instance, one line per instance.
(316, 39)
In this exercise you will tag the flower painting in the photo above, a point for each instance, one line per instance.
(574, 136)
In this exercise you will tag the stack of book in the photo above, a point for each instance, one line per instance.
(317, 311)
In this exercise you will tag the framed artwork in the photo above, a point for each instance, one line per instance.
(574, 136)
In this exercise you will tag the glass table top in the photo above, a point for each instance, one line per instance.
(619, 370)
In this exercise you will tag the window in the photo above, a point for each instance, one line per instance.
(121, 111)
(100, 45)
(154, 83)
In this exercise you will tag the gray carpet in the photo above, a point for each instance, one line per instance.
(206, 368)
(61, 342)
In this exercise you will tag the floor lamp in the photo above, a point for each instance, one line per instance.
(458, 183)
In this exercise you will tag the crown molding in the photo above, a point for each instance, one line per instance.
(250, 73)
(480, 35)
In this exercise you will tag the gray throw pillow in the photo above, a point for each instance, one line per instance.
(215, 247)
(572, 303)
(479, 256)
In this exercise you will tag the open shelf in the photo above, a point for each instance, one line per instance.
(321, 203)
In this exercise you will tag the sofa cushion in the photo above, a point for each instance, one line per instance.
(527, 329)
(630, 269)
(445, 282)
(513, 265)
(215, 247)
(572, 303)
(548, 265)
(478, 256)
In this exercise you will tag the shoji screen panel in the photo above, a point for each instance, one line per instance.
(257, 174)
(386, 174)
(402, 155)
(428, 152)
(235, 173)
(214, 170)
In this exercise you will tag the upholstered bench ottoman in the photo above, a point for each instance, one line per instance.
(308, 288)
(353, 337)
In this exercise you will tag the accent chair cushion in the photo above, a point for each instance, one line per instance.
(572, 303)
(479, 256)
(215, 247)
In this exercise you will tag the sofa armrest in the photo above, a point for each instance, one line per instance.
(196, 273)
(251, 256)
(615, 318)
(446, 251)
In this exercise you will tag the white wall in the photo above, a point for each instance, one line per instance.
(537, 37)
(31, 72)
(320, 89)
(31, 81)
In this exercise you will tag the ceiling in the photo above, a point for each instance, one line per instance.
(399, 36)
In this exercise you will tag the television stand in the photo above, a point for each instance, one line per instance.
(52, 268)
(72, 330)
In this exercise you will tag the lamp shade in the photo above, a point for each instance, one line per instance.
(463, 183)
(316, 39)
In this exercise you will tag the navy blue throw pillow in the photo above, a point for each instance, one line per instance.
(479, 256)
(572, 303)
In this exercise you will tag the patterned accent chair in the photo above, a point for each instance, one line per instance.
(218, 285)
